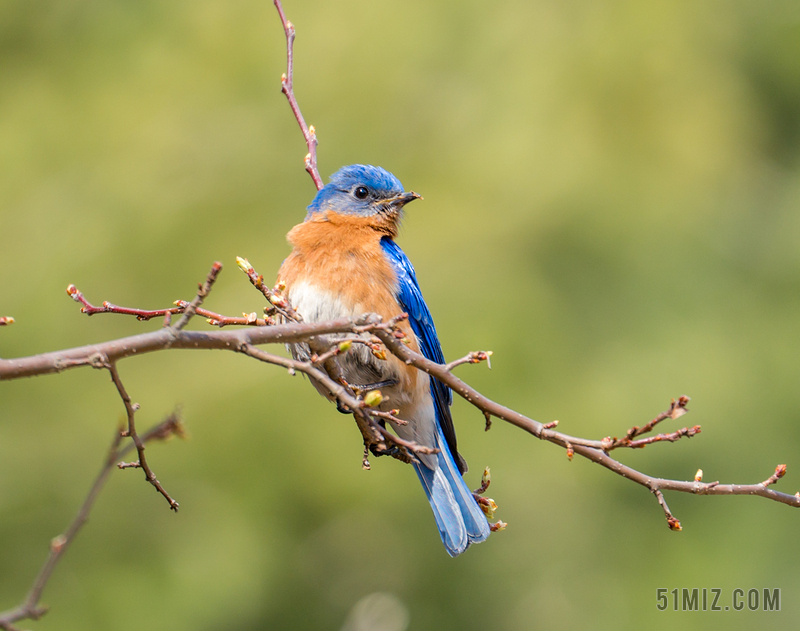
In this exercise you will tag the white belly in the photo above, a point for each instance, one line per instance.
(362, 368)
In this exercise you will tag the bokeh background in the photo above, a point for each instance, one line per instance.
(611, 205)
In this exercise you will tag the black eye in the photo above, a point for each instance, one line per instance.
(361, 192)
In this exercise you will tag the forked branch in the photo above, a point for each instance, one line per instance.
(377, 438)
(30, 609)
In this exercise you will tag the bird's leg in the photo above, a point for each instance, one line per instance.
(341, 407)
(389, 451)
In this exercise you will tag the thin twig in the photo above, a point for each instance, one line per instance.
(130, 409)
(475, 357)
(287, 87)
(673, 522)
(676, 409)
(273, 295)
(107, 307)
(671, 437)
(202, 292)
(780, 471)
(213, 318)
(390, 416)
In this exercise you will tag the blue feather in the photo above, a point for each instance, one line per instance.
(458, 516)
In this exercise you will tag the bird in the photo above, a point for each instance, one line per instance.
(345, 262)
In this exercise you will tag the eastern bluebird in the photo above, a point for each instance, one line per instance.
(345, 262)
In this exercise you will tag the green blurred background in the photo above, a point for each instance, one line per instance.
(611, 205)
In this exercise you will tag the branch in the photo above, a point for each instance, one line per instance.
(202, 292)
(672, 521)
(592, 450)
(475, 357)
(130, 409)
(216, 319)
(167, 338)
(287, 87)
(375, 435)
(30, 608)
(676, 409)
(274, 296)
(325, 370)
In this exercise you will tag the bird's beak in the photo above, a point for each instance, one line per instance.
(402, 199)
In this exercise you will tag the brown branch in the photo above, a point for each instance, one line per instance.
(780, 471)
(390, 416)
(30, 608)
(287, 87)
(181, 306)
(673, 522)
(107, 307)
(164, 339)
(676, 409)
(202, 292)
(475, 357)
(376, 438)
(213, 318)
(130, 409)
(595, 451)
(273, 295)
(247, 319)
(671, 437)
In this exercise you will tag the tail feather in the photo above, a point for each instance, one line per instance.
(458, 516)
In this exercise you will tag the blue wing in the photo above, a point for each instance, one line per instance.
(460, 520)
(410, 298)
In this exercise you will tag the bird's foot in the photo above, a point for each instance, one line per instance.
(389, 451)
(343, 409)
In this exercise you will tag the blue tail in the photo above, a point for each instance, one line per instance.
(458, 516)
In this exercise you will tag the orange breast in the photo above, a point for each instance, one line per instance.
(342, 255)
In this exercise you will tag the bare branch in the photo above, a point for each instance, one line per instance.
(594, 451)
(274, 295)
(166, 338)
(676, 409)
(390, 416)
(380, 338)
(671, 437)
(780, 471)
(30, 608)
(140, 314)
(672, 521)
(475, 357)
(375, 436)
(130, 409)
(287, 87)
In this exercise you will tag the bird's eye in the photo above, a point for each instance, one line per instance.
(361, 192)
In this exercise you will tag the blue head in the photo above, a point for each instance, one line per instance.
(363, 191)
